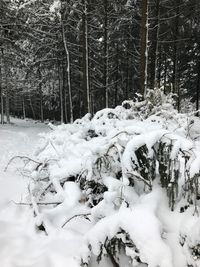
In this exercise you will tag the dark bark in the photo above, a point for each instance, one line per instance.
(143, 47)
(40, 95)
(85, 86)
(105, 74)
(32, 108)
(127, 70)
(68, 73)
(1, 97)
(165, 73)
(117, 76)
(175, 55)
(198, 88)
(7, 97)
(154, 47)
(60, 79)
(23, 107)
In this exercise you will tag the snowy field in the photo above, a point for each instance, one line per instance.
(18, 138)
(120, 189)
(20, 244)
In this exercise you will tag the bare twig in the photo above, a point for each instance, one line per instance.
(77, 215)
(38, 203)
(139, 177)
(21, 157)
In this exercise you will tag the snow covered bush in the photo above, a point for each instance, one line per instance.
(128, 178)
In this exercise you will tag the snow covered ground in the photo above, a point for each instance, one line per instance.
(19, 244)
(119, 189)
(18, 138)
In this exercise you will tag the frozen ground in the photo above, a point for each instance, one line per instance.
(19, 246)
(18, 138)
(20, 243)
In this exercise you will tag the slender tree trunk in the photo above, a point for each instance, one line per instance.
(80, 92)
(127, 70)
(117, 76)
(7, 102)
(159, 69)
(65, 106)
(1, 95)
(198, 88)
(144, 47)
(65, 95)
(68, 72)
(2, 107)
(60, 79)
(86, 89)
(7, 105)
(154, 50)
(41, 107)
(32, 108)
(165, 74)
(40, 95)
(106, 53)
(175, 54)
(23, 107)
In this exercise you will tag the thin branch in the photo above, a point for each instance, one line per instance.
(21, 157)
(77, 215)
(38, 203)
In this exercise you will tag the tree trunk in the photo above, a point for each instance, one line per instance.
(127, 69)
(175, 54)
(65, 106)
(23, 107)
(32, 108)
(7, 102)
(143, 48)
(40, 95)
(154, 50)
(1, 96)
(86, 89)
(165, 74)
(7, 105)
(60, 79)
(105, 82)
(68, 72)
(159, 68)
(41, 107)
(117, 76)
(198, 88)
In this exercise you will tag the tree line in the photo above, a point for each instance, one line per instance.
(61, 59)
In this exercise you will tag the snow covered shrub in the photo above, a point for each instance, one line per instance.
(118, 174)
(155, 103)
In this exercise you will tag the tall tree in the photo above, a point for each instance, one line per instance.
(143, 47)
(154, 45)
(86, 84)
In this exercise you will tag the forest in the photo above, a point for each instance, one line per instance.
(99, 133)
(63, 59)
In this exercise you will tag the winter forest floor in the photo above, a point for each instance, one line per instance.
(20, 246)
(18, 138)
(118, 189)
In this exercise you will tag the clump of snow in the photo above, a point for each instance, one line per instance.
(55, 6)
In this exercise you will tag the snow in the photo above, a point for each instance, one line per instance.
(143, 227)
(74, 189)
(20, 243)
